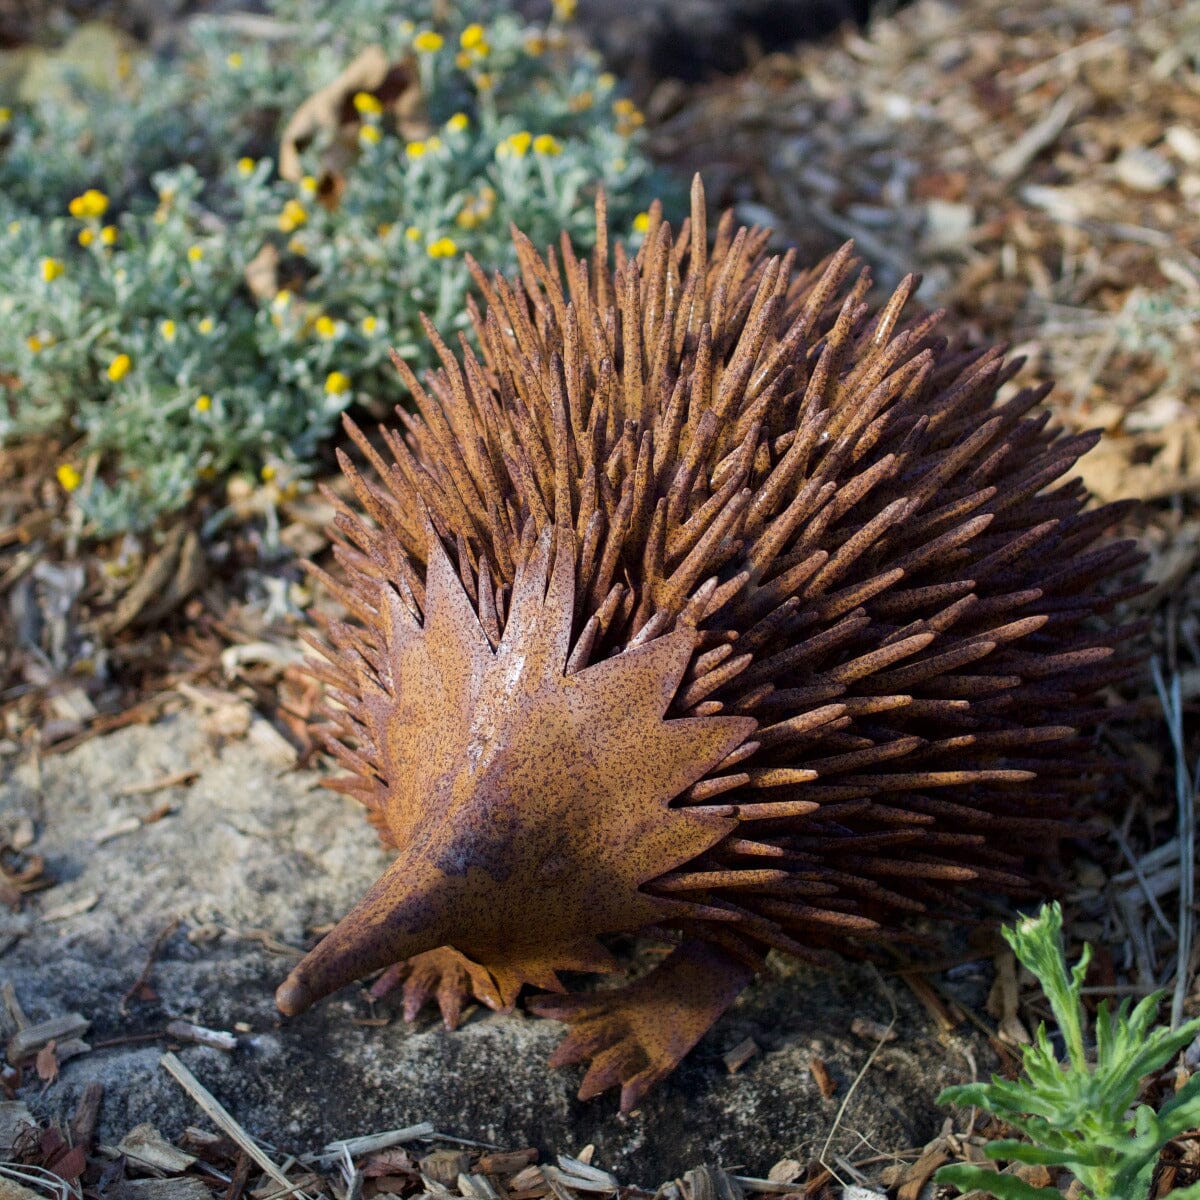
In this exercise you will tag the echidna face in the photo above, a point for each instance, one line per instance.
(528, 804)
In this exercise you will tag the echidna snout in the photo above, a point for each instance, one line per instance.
(705, 602)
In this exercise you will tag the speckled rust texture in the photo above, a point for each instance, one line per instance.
(706, 603)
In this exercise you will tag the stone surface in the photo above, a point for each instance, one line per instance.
(251, 860)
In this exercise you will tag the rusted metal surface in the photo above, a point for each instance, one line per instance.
(707, 602)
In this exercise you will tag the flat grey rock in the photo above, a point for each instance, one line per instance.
(251, 859)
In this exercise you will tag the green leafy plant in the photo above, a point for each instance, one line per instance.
(181, 323)
(1082, 1114)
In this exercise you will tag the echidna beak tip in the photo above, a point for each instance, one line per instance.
(292, 997)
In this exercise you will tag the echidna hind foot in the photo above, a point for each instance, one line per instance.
(706, 604)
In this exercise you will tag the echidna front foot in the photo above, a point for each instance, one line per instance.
(445, 974)
(638, 1034)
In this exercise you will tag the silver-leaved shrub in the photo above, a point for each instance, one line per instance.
(180, 312)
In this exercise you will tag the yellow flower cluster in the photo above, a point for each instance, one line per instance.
(547, 145)
(246, 166)
(564, 10)
(203, 403)
(367, 104)
(196, 253)
(91, 203)
(420, 149)
(337, 383)
(52, 268)
(458, 122)
(69, 478)
(370, 134)
(516, 145)
(428, 42)
(442, 247)
(294, 215)
(629, 117)
(369, 325)
(326, 327)
(119, 367)
(580, 101)
(476, 209)
(475, 46)
(167, 329)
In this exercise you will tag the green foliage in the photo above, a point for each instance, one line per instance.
(133, 221)
(1081, 1114)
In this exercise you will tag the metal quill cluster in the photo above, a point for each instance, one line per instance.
(703, 602)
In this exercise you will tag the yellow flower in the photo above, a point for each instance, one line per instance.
(326, 327)
(234, 60)
(337, 383)
(52, 268)
(14, 227)
(607, 81)
(268, 473)
(87, 237)
(415, 149)
(546, 144)
(68, 477)
(119, 367)
(108, 235)
(535, 45)
(443, 247)
(167, 329)
(485, 81)
(368, 325)
(296, 245)
(91, 203)
(383, 228)
(282, 299)
(641, 222)
(468, 217)
(624, 106)
(471, 37)
(516, 144)
(294, 215)
(564, 10)
(203, 403)
(5, 116)
(462, 60)
(428, 41)
(370, 133)
(34, 343)
(308, 185)
(458, 122)
(434, 143)
(195, 253)
(367, 104)
(413, 233)
(245, 166)
(580, 102)
(205, 325)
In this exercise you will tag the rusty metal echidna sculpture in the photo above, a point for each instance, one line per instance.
(706, 605)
